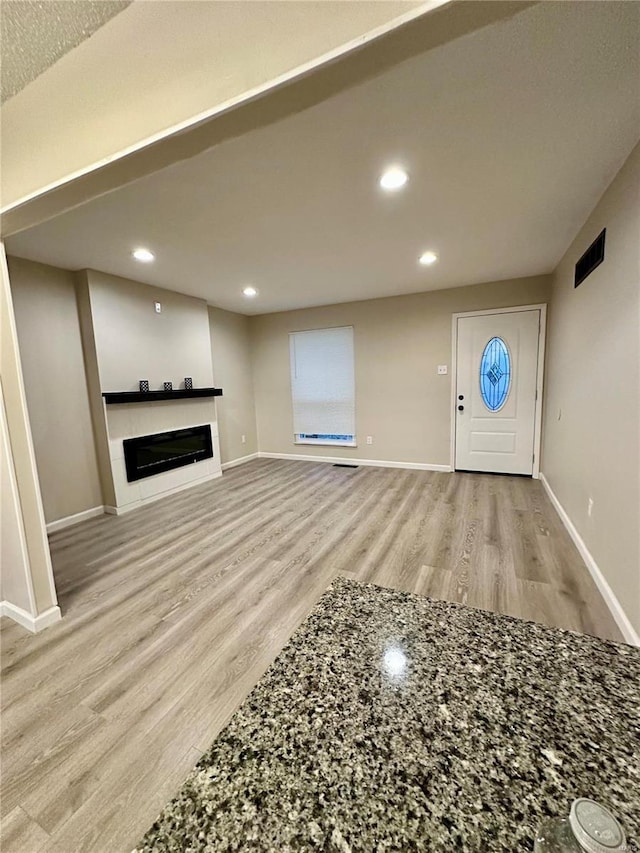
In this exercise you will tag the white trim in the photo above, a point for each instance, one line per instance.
(70, 520)
(513, 309)
(347, 460)
(15, 495)
(621, 618)
(542, 338)
(454, 389)
(28, 438)
(233, 463)
(537, 430)
(227, 105)
(31, 623)
(138, 504)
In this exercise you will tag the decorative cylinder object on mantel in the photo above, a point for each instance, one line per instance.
(188, 383)
(168, 386)
(144, 386)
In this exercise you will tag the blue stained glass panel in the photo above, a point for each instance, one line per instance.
(495, 374)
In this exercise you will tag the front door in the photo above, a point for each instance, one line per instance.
(496, 382)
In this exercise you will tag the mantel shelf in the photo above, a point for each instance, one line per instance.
(111, 397)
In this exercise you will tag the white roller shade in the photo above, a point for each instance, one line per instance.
(322, 381)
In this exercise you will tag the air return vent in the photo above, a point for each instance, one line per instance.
(592, 258)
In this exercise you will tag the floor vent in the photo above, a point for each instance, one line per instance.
(344, 465)
(591, 259)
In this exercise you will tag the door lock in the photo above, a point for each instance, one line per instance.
(461, 408)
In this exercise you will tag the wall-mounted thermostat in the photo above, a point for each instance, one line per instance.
(158, 307)
(442, 370)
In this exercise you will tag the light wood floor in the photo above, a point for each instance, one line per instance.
(172, 614)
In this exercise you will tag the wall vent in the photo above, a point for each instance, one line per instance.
(591, 259)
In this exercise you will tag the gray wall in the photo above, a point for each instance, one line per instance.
(124, 340)
(399, 342)
(51, 352)
(133, 342)
(592, 404)
(231, 352)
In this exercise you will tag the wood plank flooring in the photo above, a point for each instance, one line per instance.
(173, 612)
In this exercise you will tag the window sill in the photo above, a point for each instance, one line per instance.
(326, 442)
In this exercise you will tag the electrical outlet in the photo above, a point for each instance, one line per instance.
(442, 370)
(590, 507)
(369, 439)
(158, 307)
(243, 438)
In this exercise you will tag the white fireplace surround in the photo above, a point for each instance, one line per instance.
(132, 420)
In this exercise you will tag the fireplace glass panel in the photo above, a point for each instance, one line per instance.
(152, 454)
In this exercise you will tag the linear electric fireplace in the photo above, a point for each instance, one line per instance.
(152, 454)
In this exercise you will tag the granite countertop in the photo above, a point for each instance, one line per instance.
(392, 722)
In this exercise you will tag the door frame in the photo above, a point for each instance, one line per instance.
(537, 433)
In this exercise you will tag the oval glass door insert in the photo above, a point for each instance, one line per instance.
(495, 374)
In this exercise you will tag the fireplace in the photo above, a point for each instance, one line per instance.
(147, 455)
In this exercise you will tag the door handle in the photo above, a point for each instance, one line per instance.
(461, 408)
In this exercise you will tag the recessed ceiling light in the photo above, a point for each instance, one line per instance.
(428, 258)
(250, 291)
(143, 255)
(394, 178)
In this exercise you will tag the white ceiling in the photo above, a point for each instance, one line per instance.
(510, 136)
(37, 33)
(157, 68)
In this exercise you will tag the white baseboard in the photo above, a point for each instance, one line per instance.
(621, 618)
(27, 620)
(123, 510)
(342, 460)
(377, 463)
(239, 461)
(70, 520)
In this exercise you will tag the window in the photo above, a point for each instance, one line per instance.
(323, 386)
(495, 374)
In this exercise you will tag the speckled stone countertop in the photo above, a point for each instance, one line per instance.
(392, 722)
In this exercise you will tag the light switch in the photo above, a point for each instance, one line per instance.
(442, 370)
(158, 307)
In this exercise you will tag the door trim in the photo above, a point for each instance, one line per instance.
(537, 434)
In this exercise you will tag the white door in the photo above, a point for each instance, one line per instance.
(496, 381)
